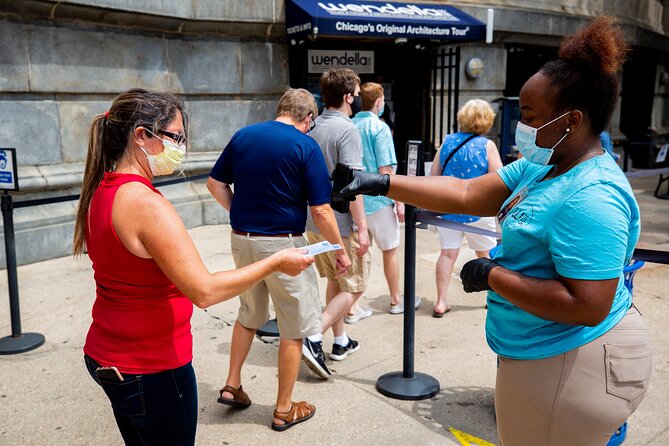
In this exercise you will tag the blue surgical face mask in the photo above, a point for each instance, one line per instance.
(380, 112)
(526, 141)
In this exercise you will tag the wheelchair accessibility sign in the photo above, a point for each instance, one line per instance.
(8, 177)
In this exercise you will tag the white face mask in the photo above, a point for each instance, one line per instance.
(526, 141)
(167, 161)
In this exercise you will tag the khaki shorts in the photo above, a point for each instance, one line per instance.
(384, 228)
(296, 299)
(355, 279)
(452, 238)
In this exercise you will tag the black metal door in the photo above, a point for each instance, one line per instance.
(444, 95)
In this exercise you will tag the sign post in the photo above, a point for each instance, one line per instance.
(18, 342)
(407, 384)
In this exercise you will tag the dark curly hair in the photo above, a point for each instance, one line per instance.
(584, 75)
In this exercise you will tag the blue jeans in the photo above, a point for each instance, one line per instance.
(153, 409)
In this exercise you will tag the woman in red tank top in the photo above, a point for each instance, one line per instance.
(139, 345)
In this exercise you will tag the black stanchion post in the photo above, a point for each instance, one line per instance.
(407, 384)
(18, 342)
(409, 291)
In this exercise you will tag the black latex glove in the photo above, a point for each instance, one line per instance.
(475, 273)
(366, 184)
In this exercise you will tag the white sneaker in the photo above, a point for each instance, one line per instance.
(399, 308)
(360, 315)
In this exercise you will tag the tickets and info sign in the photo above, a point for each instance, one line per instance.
(413, 157)
(662, 154)
(8, 176)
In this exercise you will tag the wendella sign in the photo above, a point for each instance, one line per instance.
(314, 19)
(388, 10)
(359, 61)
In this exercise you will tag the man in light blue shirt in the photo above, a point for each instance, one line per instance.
(383, 214)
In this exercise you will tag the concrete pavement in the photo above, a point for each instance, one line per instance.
(47, 397)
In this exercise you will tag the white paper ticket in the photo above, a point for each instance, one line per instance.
(320, 248)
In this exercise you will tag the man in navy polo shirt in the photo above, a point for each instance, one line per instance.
(278, 172)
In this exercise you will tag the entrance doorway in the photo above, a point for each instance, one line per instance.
(407, 72)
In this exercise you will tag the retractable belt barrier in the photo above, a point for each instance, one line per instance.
(651, 255)
(51, 200)
(432, 218)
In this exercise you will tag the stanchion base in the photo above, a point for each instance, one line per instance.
(269, 330)
(24, 343)
(395, 385)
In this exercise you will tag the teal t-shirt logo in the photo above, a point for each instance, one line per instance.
(521, 216)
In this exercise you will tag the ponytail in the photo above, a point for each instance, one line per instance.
(93, 173)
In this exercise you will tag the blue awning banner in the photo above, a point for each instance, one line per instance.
(380, 19)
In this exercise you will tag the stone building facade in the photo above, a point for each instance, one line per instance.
(63, 61)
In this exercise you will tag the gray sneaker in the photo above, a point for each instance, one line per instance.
(399, 308)
(313, 356)
(360, 315)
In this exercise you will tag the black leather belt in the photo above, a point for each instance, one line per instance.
(257, 234)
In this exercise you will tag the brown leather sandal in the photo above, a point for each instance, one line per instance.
(239, 398)
(298, 413)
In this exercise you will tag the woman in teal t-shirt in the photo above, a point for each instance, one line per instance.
(574, 353)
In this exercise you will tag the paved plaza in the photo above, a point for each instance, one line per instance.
(47, 397)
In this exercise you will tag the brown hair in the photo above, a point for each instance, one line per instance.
(370, 92)
(476, 116)
(297, 103)
(584, 75)
(337, 83)
(108, 137)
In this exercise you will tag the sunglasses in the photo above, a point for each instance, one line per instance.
(177, 137)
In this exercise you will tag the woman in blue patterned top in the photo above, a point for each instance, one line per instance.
(574, 353)
(469, 155)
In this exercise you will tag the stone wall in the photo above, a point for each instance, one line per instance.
(545, 22)
(647, 14)
(56, 73)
